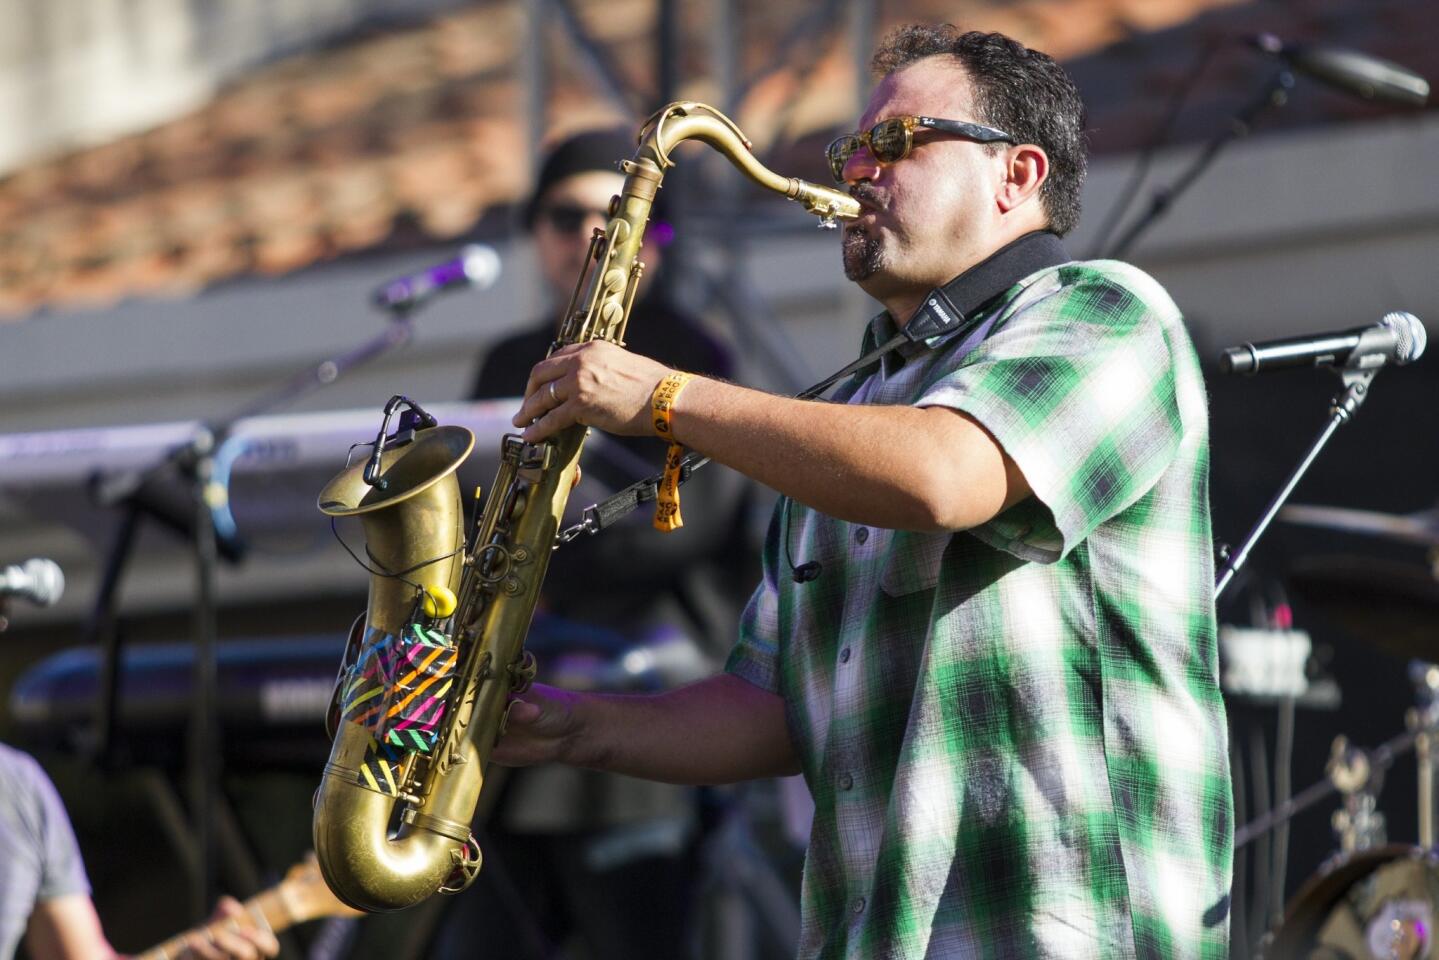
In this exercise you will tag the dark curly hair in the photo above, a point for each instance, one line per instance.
(1021, 91)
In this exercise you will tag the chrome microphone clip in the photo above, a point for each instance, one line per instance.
(415, 417)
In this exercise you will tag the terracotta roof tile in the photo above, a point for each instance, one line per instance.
(417, 133)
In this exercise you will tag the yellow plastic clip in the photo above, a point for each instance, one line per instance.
(440, 602)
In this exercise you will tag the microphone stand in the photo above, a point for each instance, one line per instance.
(1274, 94)
(137, 492)
(1341, 411)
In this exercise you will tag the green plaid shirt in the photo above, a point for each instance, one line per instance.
(1014, 734)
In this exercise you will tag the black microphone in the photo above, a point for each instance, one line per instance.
(40, 581)
(1398, 338)
(477, 266)
(1349, 70)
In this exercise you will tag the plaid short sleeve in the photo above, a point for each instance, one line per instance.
(1077, 386)
(755, 657)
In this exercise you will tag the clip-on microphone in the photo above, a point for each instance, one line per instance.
(412, 419)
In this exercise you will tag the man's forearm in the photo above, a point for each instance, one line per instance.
(719, 730)
(901, 467)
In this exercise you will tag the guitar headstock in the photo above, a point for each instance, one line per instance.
(306, 895)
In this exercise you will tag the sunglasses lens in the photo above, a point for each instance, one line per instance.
(839, 151)
(568, 219)
(889, 140)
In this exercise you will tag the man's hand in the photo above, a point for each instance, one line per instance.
(231, 935)
(597, 384)
(718, 730)
(540, 728)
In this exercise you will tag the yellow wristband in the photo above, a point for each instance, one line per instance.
(667, 498)
(662, 401)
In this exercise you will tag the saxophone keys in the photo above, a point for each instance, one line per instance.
(611, 313)
(614, 280)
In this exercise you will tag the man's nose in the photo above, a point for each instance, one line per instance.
(861, 165)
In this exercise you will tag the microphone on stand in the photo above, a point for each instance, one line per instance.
(39, 581)
(477, 267)
(1399, 338)
(1349, 70)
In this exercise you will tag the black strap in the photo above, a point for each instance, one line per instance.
(953, 305)
(945, 310)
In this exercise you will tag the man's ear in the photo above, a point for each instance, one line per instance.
(1026, 168)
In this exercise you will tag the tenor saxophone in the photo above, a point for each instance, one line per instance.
(430, 669)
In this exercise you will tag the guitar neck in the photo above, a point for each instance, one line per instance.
(267, 910)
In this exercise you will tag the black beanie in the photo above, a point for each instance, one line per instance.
(581, 153)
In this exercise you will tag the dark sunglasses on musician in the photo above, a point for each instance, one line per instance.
(891, 140)
(569, 218)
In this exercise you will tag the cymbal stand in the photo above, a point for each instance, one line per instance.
(1378, 759)
(1358, 824)
(1423, 719)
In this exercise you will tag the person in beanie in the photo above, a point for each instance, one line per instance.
(576, 855)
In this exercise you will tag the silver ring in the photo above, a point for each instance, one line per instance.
(554, 398)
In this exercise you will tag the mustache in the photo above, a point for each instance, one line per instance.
(866, 194)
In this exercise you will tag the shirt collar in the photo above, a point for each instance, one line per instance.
(955, 307)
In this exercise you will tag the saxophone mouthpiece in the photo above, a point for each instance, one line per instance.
(826, 203)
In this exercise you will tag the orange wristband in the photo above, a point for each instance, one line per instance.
(662, 401)
(667, 499)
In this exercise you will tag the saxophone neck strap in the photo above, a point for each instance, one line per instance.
(954, 307)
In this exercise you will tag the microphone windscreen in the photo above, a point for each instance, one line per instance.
(481, 264)
(1409, 332)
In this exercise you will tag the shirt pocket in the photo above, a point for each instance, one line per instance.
(914, 562)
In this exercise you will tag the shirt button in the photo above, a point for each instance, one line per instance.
(861, 535)
(846, 781)
(859, 905)
(844, 655)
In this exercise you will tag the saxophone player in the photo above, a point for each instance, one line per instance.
(984, 631)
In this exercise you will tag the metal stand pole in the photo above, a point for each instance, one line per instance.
(1424, 721)
(1275, 94)
(1341, 411)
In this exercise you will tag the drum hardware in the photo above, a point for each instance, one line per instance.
(1369, 900)
(1372, 904)
(1420, 527)
(1392, 605)
(1357, 824)
(1377, 760)
(1423, 719)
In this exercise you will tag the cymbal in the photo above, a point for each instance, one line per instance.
(1394, 606)
(1420, 527)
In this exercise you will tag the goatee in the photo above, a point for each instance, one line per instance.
(862, 254)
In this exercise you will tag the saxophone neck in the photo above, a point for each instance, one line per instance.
(690, 120)
(604, 294)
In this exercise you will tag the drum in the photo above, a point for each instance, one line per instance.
(1368, 905)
